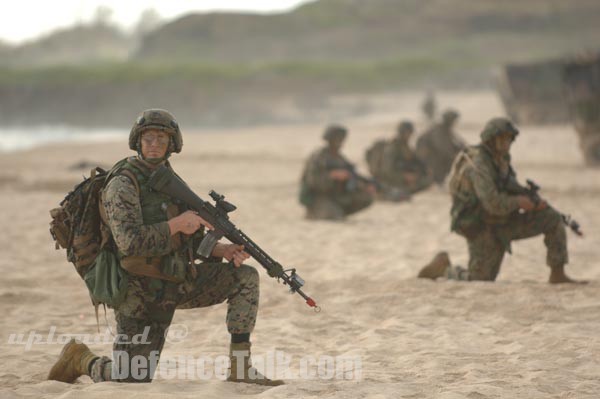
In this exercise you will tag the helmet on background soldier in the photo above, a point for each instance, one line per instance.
(158, 119)
(497, 126)
(335, 131)
(405, 129)
(450, 116)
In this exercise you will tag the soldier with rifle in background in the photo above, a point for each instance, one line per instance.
(395, 164)
(490, 209)
(330, 186)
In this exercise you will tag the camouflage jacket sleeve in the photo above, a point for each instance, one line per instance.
(316, 176)
(494, 201)
(423, 147)
(124, 217)
(400, 158)
(388, 160)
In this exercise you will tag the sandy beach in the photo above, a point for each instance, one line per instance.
(516, 338)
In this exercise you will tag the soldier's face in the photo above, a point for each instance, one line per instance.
(336, 143)
(405, 136)
(503, 142)
(154, 143)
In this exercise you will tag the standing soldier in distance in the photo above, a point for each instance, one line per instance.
(429, 107)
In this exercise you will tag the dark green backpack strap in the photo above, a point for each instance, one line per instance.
(129, 174)
(118, 169)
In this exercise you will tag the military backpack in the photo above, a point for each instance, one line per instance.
(78, 226)
(374, 158)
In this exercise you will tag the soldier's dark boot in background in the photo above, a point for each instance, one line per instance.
(241, 367)
(74, 361)
(558, 276)
(437, 267)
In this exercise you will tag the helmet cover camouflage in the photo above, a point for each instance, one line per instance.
(335, 132)
(497, 126)
(158, 119)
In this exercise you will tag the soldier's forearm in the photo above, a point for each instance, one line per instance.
(219, 250)
(493, 201)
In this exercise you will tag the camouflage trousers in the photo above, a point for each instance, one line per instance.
(338, 206)
(149, 306)
(486, 250)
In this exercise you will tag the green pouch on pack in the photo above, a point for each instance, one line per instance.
(106, 280)
(306, 197)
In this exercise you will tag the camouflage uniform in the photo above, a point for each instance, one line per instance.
(138, 223)
(429, 106)
(486, 212)
(332, 199)
(328, 198)
(398, 159)
(438, 147)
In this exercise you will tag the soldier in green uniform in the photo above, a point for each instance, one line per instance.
(330, 187)
(438, 146)
(490, 216)
(156, 242)
(429, 106)
(401, 168)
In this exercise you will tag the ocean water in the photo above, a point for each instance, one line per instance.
(18, 139)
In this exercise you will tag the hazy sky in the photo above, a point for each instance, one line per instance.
(26, 19)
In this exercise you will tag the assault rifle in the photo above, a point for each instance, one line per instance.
(532, 191)
(165, 181)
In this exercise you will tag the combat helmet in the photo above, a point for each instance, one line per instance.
(496, 126)
(158, 119)
(405, 127)
(449, 116)
(334, 131)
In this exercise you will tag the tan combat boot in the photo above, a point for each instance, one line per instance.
(558, 276)
(437, 267)
(74, 361)
(241, 367)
